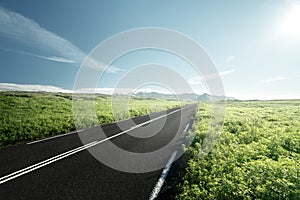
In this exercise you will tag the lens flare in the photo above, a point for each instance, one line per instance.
(290, 26)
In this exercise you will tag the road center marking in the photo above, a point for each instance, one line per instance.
(73, 151)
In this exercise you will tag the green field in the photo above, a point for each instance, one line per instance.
(256, 157)
(28, 116)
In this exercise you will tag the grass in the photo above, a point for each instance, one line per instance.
(256, 157)
(28, 116)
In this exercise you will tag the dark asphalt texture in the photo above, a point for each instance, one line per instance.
(81, 176)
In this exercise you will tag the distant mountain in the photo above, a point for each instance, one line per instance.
(184, 96)
(204, 97)
(153, 95)
(146, 93)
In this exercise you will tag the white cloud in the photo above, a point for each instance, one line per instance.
(198, 80)
(51, 58)
(229, 59)
(224, 73)
(274, 79)
(150, 90)
(94, 64)
(108, 91)
(17, 27)
(58, 59)
(24, 30)
(111, 91)
(31, 88)
(51, 88)
(246, 95)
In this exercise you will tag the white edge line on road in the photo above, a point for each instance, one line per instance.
(186, 127)
(71, 152)
(162, 178)
(139, 125)
(164, 174)
(56, 136)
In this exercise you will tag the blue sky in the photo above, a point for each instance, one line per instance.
(255, 44)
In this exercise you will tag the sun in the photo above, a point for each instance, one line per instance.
(290, 25)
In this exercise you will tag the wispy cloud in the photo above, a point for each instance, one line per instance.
(58, 59)
(51, 58)
(17, 27)
(224, 73)
(229, 59)
(274, 79)
(198, 80)
(27, 31)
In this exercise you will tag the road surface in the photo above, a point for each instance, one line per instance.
(62, 167)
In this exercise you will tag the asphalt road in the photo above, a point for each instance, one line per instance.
(63, 168)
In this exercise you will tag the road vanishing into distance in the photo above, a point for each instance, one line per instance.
(62, 167)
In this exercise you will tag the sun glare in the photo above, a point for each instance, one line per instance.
(290, 26)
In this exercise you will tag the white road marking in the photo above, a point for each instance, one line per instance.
(139, 125)
(152, 120)
(71, 152)
(164, 174)
(57, 136)
(162, 178)
(186, 127)
(44, 163)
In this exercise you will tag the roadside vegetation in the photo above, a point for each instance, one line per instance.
(28, 116)
(256, 157)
